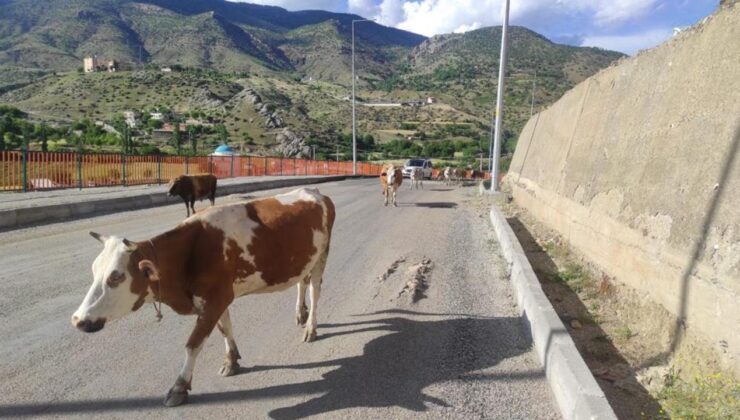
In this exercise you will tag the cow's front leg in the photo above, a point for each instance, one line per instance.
(394, 198)
(231, 361)
(178, 394)
(385, 197)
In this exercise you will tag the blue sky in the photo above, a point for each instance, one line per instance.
(622, 25)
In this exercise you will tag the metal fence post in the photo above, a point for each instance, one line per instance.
(24, 169)
(123, 164)
(232, 166)
(186, 165)
(281, 166)
(159, 169)
(79, 170)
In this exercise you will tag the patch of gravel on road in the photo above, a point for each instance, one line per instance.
(418, 282)
(391, 269)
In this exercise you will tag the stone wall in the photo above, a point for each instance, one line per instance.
(639, 168)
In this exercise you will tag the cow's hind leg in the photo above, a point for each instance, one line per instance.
(231, 361)
(301, 311)
(186, 206)
(314, 288)
(192, 204)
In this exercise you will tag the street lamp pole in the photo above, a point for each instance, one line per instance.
(354, 121)
(500, 100)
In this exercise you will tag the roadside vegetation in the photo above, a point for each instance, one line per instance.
(625, 339)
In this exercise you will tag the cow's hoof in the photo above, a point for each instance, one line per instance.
(309, 335)
(229, 369)
(301, 317)
(175, 398)
(385, 204)
(395, 205)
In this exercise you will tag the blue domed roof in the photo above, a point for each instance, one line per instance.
(224, 149)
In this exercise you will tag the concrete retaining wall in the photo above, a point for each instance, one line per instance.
(20, 217)
(575, 389)
(638, 168)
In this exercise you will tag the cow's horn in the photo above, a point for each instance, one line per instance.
(98, 236)
(130, 246)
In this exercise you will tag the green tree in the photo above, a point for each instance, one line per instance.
(176, 137)
(193, 139)
(223, 135)
(26, 133)
(43, 139)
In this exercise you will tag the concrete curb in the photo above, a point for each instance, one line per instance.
(576, 391)
(39, 215)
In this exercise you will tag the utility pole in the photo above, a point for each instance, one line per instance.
(534, 86)
(500, 100)
(354, 122)
(337, 153)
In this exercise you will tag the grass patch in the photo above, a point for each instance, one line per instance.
(714, 396)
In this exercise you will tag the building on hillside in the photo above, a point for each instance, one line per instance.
(112, 66)
(431, 100)
(197, 122)
(90, 64)
(130, 118)
(166, 69)
(156, 116)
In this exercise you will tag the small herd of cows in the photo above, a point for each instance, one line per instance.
(219, 254)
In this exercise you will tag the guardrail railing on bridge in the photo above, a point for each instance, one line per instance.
(30, 170)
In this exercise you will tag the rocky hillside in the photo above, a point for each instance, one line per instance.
(216, 34)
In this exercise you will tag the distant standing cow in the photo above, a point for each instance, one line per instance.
(391, 179)
(415, 178)
(192, 187)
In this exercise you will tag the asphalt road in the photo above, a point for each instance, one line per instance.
(459, 351)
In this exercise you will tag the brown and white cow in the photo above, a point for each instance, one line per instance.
(391, 179)
(415, 179)
(200, 266)
(449, 175)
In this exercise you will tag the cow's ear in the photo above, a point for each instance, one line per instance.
(98, 236)
(383, 174)
(149, 270)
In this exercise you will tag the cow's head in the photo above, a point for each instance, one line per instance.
(121, 280)
(175, 186)
(391, 175)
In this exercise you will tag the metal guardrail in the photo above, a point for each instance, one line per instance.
(32, 171)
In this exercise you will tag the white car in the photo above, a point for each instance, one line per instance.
(424, 164)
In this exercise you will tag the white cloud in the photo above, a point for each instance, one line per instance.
(608, 12)
(363, 7)
(629, 44)
(431, 17)
(331, 5)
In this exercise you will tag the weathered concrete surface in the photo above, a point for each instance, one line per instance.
(638, 168)
(42, 207)
(575, 389)
(458, 353)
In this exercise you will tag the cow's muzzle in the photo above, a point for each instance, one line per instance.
(88, 325)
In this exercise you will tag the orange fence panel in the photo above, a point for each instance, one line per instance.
(48, 170)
